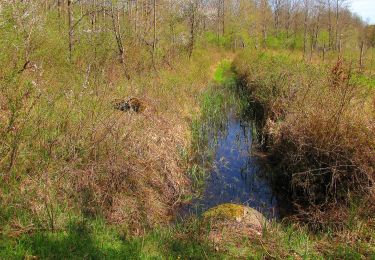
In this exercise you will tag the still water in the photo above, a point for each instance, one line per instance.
(236, 175)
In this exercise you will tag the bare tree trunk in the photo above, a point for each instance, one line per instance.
(81, 7)
(329, 25)
(337, 25)
(223, 16)
(154, 42)
(59, 7)
(264, 23)
(311, 47)
(317, 28)
(287, 18)
(218, 21)
(136, 22)
(71, 29)
(361, 55)
(117, 34)
(277, 15)
(192, 11)
(93, 18)
(305, 30)
(128, 9)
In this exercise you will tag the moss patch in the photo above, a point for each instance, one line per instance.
(228, 211)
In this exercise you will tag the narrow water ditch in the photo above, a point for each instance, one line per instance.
(236, 174)
(235, 170)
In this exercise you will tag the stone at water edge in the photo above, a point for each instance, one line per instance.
(229, 222)
(238, 213)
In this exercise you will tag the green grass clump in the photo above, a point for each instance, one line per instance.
(364, 80)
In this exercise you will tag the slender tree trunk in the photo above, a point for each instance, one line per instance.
(71, 29)
(305, 30)
(361, 55)
(154, 42)
(277, 16)
(223, 16)
(311, 46)
(117, 34)
(337, 25)
(81, 7)
(218, 21)
(329, 25)
(129, 10)
(59, 7)
(264, 23)
(136, 22)
(93, 18)
(317, 28)
(192, 28)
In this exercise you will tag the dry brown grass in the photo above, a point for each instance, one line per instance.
(328, 133)
(76, 155)
(133, 172)
(320, 127)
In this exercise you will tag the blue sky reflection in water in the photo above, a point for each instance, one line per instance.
(236, 175)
